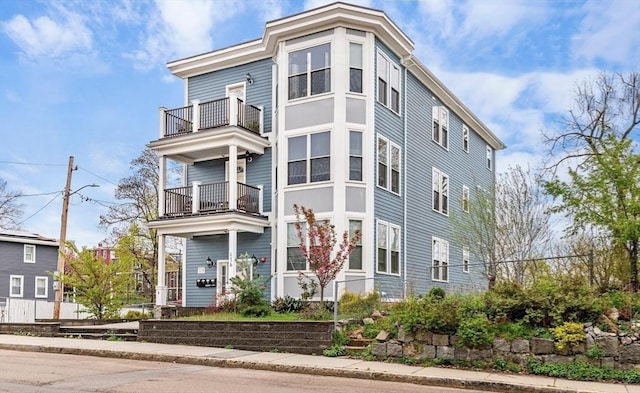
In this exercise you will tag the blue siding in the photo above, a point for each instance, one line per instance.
(12, 263)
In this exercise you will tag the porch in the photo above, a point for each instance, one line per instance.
(211, 198)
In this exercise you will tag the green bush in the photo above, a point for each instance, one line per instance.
(250, 295)
(371, 330)
(287, 304)
(475, 331)
(582, 371)
(437, 293)
(569, 335)
(357, 305)
(135, 314)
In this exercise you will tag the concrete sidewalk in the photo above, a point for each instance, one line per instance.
(307, 364)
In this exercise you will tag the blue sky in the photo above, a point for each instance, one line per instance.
(86, 78)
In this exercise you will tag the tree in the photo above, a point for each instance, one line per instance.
(10, 208)
(506, 229)
(319, 253)
(593, 171)
(131, 249)
(97, 285)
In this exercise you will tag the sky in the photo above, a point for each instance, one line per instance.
(86, 78)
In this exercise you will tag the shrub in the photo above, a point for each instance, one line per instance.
(287, 304)
(475, 331)
(250, 295)
(582, 371)
(371, 330)
(568, 335)
(135, 314)
(437, 293)
(358, 305)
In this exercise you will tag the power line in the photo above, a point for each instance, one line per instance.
(98, 176)
(39, 210)
(30, 163)
(29, 195)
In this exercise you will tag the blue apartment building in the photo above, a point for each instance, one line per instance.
(331, 110)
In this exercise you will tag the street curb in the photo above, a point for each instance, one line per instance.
(323, 371)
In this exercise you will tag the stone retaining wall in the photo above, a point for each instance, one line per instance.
(620, 350)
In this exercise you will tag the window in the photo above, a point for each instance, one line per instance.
(355, 67)
(388, 240)
(315, 165)
(489, 157)
(355, 258)
(465, 259)
(440, 191)
(29, 253)
(465, 199)
(17, 286)
(440, 116)
(310, 71)
(355, 155)
(388, 83)
(42, 287)
(388, 165)
(295, 259)
(465, 138)
(440, 257)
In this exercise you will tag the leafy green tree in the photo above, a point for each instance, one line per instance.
(97, 285)
(594, 173)
(133, 249)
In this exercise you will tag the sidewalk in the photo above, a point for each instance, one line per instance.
(307, 364)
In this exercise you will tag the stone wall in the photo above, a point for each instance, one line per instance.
(621, 350)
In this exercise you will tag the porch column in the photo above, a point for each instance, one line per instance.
(233, 177)
(162, 176)
(196, 115)
(161, 288)
(233, 252)
(233, 108)
(195, 197)
(260, 198)
(162, 123)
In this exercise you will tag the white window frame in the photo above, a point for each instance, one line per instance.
(391, 167)
(353, 66)
(355, 155)
(465, 199)
(440, 183)
(11, 293)
(309, 71)
(465, 138)
(26, 253)
(465, 259)
(358, 245)
(46, 286)
(291, 224)
(439, 259)
(440, 124)
(389, 229)
(390, 76)
(309, 158)
(489, 158)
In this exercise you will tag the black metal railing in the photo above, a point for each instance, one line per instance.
(248, 198)
(178, 201)
(178, 121)
(214, 113)
(248, 117)
(214, 197)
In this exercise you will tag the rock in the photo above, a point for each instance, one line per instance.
(520, 346)
(462, 353)
(356, 333)
(428, 352)
(608, 344)
(501, 345)
(424, 336)
(394, 349)
(445, 352)
(382, 336)
(379, 350)
(368, 321)
(611, 326)
(376, 314)
(405, 335)
(613, 314)
(481, 354)
(440, 340)
(630, 354)
(541, 346)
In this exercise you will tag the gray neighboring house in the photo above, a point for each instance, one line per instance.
(26, 263)
(329, 109)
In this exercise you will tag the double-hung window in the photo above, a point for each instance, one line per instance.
(440, 116)
(42, 287)
(440, 260)
(388, 245)
(489, 158)
(465, 138)
(295, 258)
(309, 159)
(29, 253)
(16, 288)
(465, 199)
(355, 67)
(355, 258)
(355, 155)
(388, 83)
(465, 259)
(388, 165)
(440, 191)
(310, 71)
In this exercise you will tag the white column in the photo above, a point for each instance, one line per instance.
(233, 108)
(162, 176)
(196, 115)
(260, 198)
(195, 199)
(161, 288)
(162, 122)
(233, 177)
(233, 252)
(261, 107)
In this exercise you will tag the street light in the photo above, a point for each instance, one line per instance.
(59, 290)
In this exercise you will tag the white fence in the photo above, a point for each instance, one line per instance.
(13, 310)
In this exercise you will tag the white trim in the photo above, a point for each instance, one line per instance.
(443, 251)
(438, 183)
(390, 65)
(465, 259)
(33, 254)
(390, 146)
(46, 286)
(466, 197)
(465, 138)
(11, 277)
(440, 115)
(389, 230)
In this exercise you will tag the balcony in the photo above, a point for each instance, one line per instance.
(205, 130)
(210, 209)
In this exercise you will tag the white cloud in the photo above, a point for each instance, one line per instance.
(609, 31)
(497, 17)
(46, 37)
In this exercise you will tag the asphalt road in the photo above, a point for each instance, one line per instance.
(31, 372)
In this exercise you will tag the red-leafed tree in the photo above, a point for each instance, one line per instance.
(318, 241)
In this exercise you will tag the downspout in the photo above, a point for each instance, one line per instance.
(404, 190)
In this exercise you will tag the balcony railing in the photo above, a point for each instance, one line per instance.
(211, 198)
(230, 111)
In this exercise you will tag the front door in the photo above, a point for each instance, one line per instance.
(237, 89)
(240, 170)
(222, 278)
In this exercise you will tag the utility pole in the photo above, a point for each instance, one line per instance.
(63, 239)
